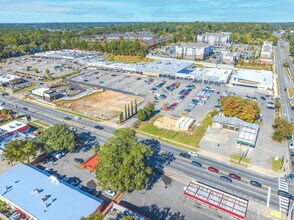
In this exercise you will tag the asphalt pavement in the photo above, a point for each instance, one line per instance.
(180, 165)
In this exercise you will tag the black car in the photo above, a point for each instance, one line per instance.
(262, 97)
(255, 183)
(185, 155)
(79, 160)
(25, 108)
(99, 127)
(226, 179)
(67, 118)
(284, 194)
(195, 163)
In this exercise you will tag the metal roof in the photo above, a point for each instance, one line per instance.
(229, 121)
(44, 197)
(218, 199)
(248, 134)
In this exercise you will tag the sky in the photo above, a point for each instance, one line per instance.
(29, 11)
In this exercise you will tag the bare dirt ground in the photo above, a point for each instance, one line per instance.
(103, 105)
(166, 122)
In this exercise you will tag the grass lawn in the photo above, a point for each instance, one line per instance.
(127, 59)
(239, 164)
(26, 88)
(291, 93)
(42, 123)
(277, 164)
(191, 138)
(254, 66)
(237, 158)
(287, 70)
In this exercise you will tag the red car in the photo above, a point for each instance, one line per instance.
(186, 93)
(212, 169)
(234, 176)
(174, 104)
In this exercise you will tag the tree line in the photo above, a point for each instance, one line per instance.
(31, 38)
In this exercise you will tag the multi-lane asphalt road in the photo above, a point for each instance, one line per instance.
(267, 194)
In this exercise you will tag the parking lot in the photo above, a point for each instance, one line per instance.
(67, 167)
(56, 67)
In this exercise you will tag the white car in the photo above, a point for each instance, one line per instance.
(77, 117)
(110, 192)
(193, 154)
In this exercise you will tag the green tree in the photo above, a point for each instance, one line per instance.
(123, 162)
(47, 71)
(20, 150)
(129, 111)
(136, 106)
(132, 109)
(94, 216)
(282, 129)
(58, 137)
(28, 68)
(141, 115)
(36, 70)
(126, 112)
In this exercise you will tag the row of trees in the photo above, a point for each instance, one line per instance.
(244, 109)
(130, 110)
(58, 137)
(146, 112)
(290, 38)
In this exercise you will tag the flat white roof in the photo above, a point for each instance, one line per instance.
(13, 126)
(164, 66)
(7, 78)
(261, 76)
(40, 90)
(44, 196)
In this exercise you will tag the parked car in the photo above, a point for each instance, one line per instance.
(78, 160)
(193, 154)
(77, 117)
(212, 169)
(195, 163)
(185, 155)
(226, 179)
(284, 194)
(262, 97)
(255, 183)
(234, 176)
(110, 192)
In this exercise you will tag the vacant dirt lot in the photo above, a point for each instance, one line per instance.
(102, 105)
(166, 122)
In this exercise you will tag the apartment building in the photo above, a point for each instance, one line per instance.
(192, 51)
(214, 38)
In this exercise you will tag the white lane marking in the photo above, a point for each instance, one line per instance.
(268, 197)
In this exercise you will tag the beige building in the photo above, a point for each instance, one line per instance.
(214, 38)
(192, 51)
